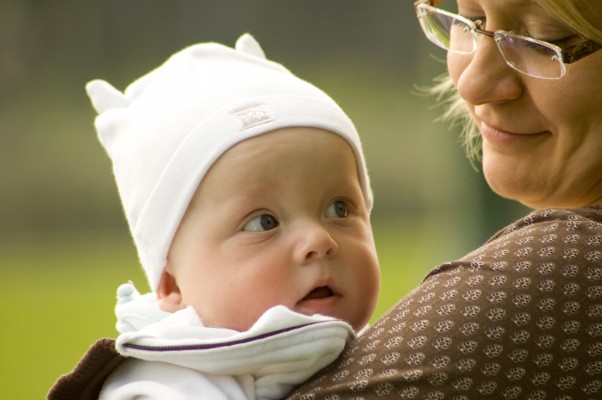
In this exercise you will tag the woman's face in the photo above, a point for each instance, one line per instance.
(542, 139)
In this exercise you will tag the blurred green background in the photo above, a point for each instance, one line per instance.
(64, 244)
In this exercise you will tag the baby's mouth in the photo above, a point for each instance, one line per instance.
(321, 292)
(320, 300)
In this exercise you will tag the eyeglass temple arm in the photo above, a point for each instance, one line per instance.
(429, 2)
(580, 50)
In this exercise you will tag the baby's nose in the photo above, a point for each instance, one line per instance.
(316, 242)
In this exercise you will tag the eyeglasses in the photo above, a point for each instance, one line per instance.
(526, 55)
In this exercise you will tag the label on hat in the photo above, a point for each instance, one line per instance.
(250, 116)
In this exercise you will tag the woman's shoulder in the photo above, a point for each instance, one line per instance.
(555, 219)
(546, 233)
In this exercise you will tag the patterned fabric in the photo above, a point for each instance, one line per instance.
(519, 318)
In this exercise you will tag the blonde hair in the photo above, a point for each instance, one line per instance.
(583, 16)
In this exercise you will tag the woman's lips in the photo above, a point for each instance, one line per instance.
(499, 136)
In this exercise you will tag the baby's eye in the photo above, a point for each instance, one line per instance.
(337, 209)
(261, 223)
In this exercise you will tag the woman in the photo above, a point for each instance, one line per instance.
(520, 317)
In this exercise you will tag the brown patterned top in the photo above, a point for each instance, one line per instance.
(519, 318)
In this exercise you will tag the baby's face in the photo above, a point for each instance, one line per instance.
(279, 219)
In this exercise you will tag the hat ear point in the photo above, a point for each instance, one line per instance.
(248, 45)
(104, 96)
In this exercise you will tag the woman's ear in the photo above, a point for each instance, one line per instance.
(168, 293)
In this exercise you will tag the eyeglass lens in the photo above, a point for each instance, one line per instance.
(449, 33)
(529, 57)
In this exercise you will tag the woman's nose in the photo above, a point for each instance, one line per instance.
(484, 77)
(315, 242)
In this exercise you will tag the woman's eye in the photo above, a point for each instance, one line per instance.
(564, 42)
(261, 223)
(337, 209)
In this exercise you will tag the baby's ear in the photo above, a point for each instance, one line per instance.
(168, 293)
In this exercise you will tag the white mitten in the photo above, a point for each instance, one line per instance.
(135, 311)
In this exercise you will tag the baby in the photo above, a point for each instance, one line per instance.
(247, 195)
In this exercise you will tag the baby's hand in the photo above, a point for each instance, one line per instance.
(126, 293)
(135, 311)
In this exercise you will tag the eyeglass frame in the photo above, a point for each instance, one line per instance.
(566, 55)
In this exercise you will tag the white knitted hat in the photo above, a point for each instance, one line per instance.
(169, 126)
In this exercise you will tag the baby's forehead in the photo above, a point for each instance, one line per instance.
(286, 141)
(291, 134)
(307, 162)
